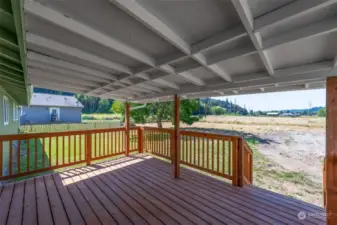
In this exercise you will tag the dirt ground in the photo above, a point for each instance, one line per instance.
(288, 153)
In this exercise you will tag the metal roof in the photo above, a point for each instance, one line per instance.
(147, 50)
(39, 99)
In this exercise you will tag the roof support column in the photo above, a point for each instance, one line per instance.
(176, 149)
(127, 129)
(330, 179)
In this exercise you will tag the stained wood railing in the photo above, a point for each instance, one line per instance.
(208, 152)
(247, 163)
(158, 141)
(227, 156)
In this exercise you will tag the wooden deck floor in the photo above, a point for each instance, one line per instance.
(140, 190)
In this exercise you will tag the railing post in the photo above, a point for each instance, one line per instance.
(238, 162)
(140, 139)
(176, 155)
(127, 129)
(88, 138)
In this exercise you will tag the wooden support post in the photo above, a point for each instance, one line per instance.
(238, 162)
(140, 139)
(331, 151)
(176, 155)
(127, 129)
(88, 139)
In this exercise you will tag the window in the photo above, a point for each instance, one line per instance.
(15, 112)
(6, 110)
(54, 114)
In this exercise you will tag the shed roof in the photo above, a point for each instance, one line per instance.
(54, 100)
(148, 50)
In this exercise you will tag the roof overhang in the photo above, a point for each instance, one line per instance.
(13, 77)
(143, 51)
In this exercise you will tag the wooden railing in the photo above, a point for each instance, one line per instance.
(227, 156)
(208, 152)
(26, 154)
(247, 163)
(158, 141)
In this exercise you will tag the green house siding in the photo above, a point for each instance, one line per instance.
(13, 126)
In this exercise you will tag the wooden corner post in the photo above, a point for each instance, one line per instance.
(237, 162)
(176, 152)
(330, 178)
(127, 129)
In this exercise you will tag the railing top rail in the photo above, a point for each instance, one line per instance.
(247, 147)
(53, 134)
(208, 135)
(158, 129)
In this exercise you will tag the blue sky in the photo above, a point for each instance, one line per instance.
(280, 100)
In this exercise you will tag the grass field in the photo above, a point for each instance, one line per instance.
(86, 125)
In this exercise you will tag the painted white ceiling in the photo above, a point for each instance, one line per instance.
(148, 50)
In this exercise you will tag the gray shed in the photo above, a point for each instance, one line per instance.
(47, 108)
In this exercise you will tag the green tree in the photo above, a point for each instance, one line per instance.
(322, 112)
(103, 106)
(160, 111)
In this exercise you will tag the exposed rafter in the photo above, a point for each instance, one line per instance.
(45, 60)
(64, 49)
(74, 26)
(167, 83)
(246, 17)
(320, 28)
(288, 12)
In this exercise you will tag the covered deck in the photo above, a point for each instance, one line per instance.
(139, 189)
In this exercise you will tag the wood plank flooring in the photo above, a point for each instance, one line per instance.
(140, 190)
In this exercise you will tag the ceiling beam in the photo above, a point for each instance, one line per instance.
(68, 65)
(8, 40)
(56, 80)
(150, 87)
(246, 17)
(288, 12)
(148, 17)
(152, 21)
(186, 89)
(65, 72)
(238, 52)
(167, 83)
(187, 75)
(83, 30)
(10, 65)
(74, 52)
(320, 28)
(221, 38)
(53, 86)
(60, 77)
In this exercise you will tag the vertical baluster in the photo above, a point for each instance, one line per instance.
(194, 150)
(218, 155)
(229, 149)
(199, 152)
(19, 158)
(80, 148)
(50, 140)
(104, 148)
(57, 150)
(223, 157)
(203, 151)
(63, 150)
(75, 148)
(184, 147)
(115, 144)
(10, 158)
(35, 153)
(28, 154)
(213, 155)
(69, 149)
(190, 148)
(1, 158)
(207, 154)
(43, 151)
